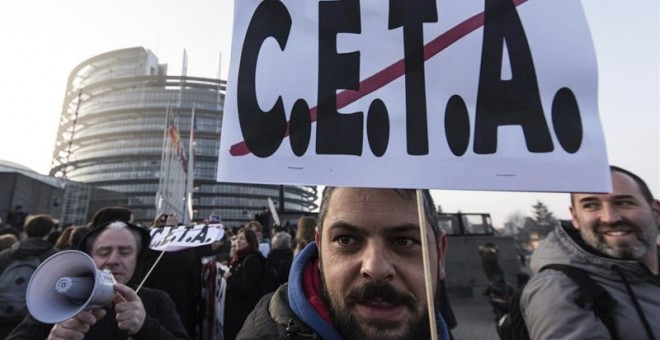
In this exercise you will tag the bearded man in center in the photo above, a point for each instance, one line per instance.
(363, 277)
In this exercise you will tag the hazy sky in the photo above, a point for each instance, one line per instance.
(42, 41)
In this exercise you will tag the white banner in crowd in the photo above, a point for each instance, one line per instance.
(445, 94)
(273, 212)
(177, 238)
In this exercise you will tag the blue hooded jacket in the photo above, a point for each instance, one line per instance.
(304, 310)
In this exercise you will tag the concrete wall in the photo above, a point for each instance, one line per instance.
(36, 197)
(7, 185)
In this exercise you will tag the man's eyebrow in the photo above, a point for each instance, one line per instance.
(587, 199)
(342, 225)
(625, 196)
(594, 198)
(389, 229)
(403, 228)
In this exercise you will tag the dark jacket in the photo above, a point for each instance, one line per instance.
(273, 319)
(179, 275)
(550, 291)
(30, 247)
(287, 314)
(161, 322)
(243, 291)
(280, 260)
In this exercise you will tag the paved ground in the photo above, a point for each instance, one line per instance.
(476, 320)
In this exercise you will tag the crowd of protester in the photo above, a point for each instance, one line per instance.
(251, 263)
(257, 282)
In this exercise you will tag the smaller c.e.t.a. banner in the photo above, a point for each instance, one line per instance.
(441, 94)
(181, 237)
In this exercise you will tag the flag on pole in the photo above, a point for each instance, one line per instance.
(175, 142)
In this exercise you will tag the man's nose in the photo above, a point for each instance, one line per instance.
(376, 262)
(113, 258)
(609, 214)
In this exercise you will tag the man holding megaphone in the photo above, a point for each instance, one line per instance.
(116, 249)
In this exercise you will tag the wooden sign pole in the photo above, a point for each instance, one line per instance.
(427, 265)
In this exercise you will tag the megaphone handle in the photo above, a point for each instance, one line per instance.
(149, 272)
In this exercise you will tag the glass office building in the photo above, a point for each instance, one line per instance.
(112, 132)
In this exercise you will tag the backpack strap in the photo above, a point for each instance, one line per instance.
(591, 293)
(633, 298)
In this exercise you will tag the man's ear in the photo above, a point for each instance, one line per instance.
(442, 250)
(576, 223)
(655, 208)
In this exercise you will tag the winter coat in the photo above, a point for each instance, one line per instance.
(273, 319)
(178, 274)
(161, 322)
(28, 247)
(548, 300)
(280, 260)
(243, 292)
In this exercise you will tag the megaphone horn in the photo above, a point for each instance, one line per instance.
(66, 284)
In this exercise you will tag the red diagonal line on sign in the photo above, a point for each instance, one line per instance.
(392, 72)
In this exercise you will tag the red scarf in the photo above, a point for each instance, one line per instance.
(312, 286)
(238, 255)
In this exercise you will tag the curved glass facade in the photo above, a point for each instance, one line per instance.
(112, 130)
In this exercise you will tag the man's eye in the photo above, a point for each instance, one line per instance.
(344, 240)
(625, 203)
(590, 206)
(404, 242)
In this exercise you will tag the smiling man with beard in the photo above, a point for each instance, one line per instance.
(363, 277)
(612, 238)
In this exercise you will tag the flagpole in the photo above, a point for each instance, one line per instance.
(190, 175)
(159, 193)
(181, 204)
(179, 174)
(219, 97)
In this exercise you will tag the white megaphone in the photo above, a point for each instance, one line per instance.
(65, 284)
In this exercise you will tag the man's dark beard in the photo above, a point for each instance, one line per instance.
(645, 241)
(349, 328)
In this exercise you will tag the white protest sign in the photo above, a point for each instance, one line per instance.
(273, 211)
(445, 94)
(177, 238)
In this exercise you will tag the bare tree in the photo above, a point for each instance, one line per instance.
(514, 222)
(542, 215)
